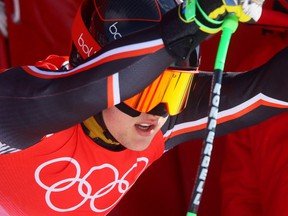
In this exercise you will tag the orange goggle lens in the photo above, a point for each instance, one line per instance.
(171, 88)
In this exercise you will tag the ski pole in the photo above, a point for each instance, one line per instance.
(229, 26)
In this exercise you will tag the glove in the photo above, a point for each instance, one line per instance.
(181, 36)
(210, 13)
(245, 10)
(3, 20)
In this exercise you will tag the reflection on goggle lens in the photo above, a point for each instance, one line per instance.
(171, 89)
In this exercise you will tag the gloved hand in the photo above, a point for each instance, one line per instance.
(3, 20)
(245, 10)
(181, 36)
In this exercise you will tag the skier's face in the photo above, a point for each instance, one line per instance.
(134, 133)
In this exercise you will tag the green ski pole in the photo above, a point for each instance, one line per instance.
(229, 26)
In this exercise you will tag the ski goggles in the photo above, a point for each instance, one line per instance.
(171, 88)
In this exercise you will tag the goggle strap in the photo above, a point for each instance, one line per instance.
(82, 39)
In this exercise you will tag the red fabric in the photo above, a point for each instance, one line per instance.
(250, 47)
(4, 58)
(67, 173)
(43, 29)
(254, 174)
(52, 62)
(274, 19)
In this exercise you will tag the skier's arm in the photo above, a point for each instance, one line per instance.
(247, 98)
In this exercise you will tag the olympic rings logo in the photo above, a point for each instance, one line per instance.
(84, 187)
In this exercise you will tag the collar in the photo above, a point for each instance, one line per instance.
(96, 129)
